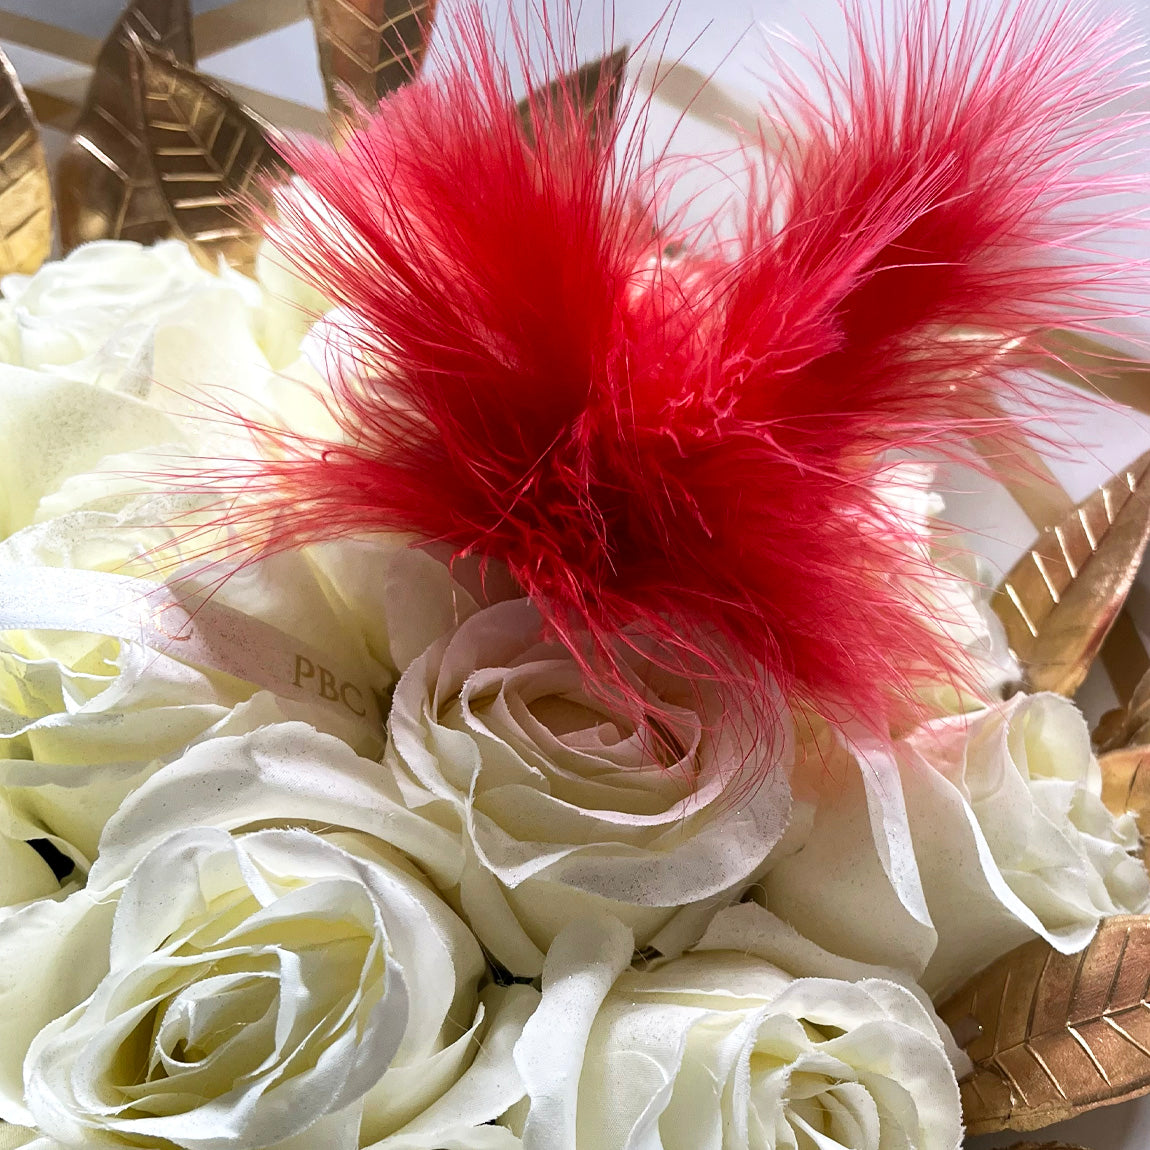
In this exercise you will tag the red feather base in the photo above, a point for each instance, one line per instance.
(683, 457)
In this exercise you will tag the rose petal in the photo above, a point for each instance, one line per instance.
(581, 967)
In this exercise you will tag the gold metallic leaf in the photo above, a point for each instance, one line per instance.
(1124, 656)
(1127, 726)
(368, 48)
(1060, 599)
(210, 156)
(701, 96)
(1052, 1035)
(104, 182)
(593, 90)
(1126, 783)
(1098, 368)
(1028, 479)
(25, 189)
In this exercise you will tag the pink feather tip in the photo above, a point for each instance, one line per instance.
(684, 457)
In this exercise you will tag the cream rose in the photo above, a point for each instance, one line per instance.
(288, 775)
(557, 806)
(84, 719)
(25, 874)
(106, 351)
(460, 1138)
(727, 1047)
(962, 602)
(83, 772)
(125, 316)
(83, 427)
(1016, 794)
(275, 988)
(53, 428)
(984, 831)
(104, 299)
(323, 603)
(14, 1136)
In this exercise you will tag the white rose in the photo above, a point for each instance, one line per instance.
(987, 831)
(325, 601)
(288, 775)
(86, 718)
(25, 873)
(148, 325)
(77, 451)
(276, 988)
(455, 1138)
(108, 348)
(560, 807)
(962, 605)
(53, 428)
(291, 306)
(64, 774)
(726, 1047)
(14, 1136)
(126, 316)
(1016, 792)
(105, 297)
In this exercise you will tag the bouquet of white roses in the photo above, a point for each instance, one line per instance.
(398, 753)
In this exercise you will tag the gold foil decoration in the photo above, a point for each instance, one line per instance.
(238, 22)
(1094, 366)
(1022, 471)
(593, 90)
(1028, 480)
(1124, 657)
(25, 189)
(1126, 784)
(104, 182)
(1127, 726)
(211, 158)
(1056, 1034)
(368, 48)
(1060, 599)
(691, 91)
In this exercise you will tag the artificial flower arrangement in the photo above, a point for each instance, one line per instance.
(490, 675)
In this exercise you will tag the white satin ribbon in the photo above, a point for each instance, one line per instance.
(194, 629)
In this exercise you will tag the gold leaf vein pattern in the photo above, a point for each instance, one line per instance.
(593, 89)
(1055, 1034)
(25, 188)
(1060, 599)
(104, 183)
(369, 48)
(211, 158)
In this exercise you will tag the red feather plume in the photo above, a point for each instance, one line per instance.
(684, 456)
